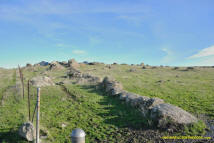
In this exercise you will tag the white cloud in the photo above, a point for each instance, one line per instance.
(204, 52)
(78, 52)
(169, 57)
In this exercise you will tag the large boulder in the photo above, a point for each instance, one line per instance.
(55, 66)
(73, 63)
(27, 131)
(147, 103)
(41, 81)
(74, 73)
(111, 86)
(166, 115)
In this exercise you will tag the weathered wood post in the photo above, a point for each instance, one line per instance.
(78, 136)
(28, 87)
(22, 81)
(37, 117)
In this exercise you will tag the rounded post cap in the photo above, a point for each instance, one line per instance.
(78, 133)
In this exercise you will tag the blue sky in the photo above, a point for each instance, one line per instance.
(165, 32)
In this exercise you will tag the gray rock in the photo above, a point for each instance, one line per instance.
(116, 91)
(55, 66)
(111, 86)
(166, 114)
(122, 96)
(153, 102)
(41, 81)
(131, 98)
(27, 131)
(73, 63)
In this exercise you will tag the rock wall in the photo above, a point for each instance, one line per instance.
(83, 78)
(164, 115)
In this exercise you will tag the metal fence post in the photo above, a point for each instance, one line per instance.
(78, 136)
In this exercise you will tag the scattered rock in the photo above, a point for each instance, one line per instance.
(41, 81)
(27, 131)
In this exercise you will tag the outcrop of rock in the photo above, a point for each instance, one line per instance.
(41, 81)
(55, 66)
(83, 78)
(64, 63)
(155, 109)
(27, 131)
(73, 63)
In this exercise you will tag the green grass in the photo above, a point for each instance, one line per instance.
(191, 90)
(195, 129)
(103, 118)
(99, 116)
(12, 112)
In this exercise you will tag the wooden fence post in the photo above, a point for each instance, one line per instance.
(28, 87)
(22, 81)
(37, 117)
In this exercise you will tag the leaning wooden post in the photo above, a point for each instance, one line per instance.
(28, 89)
(37, 118)
(22, 81)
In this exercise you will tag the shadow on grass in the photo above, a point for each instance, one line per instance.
(119, 113)
(10, 136)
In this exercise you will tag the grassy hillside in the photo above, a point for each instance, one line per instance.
(103, 118)
(192, 90)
